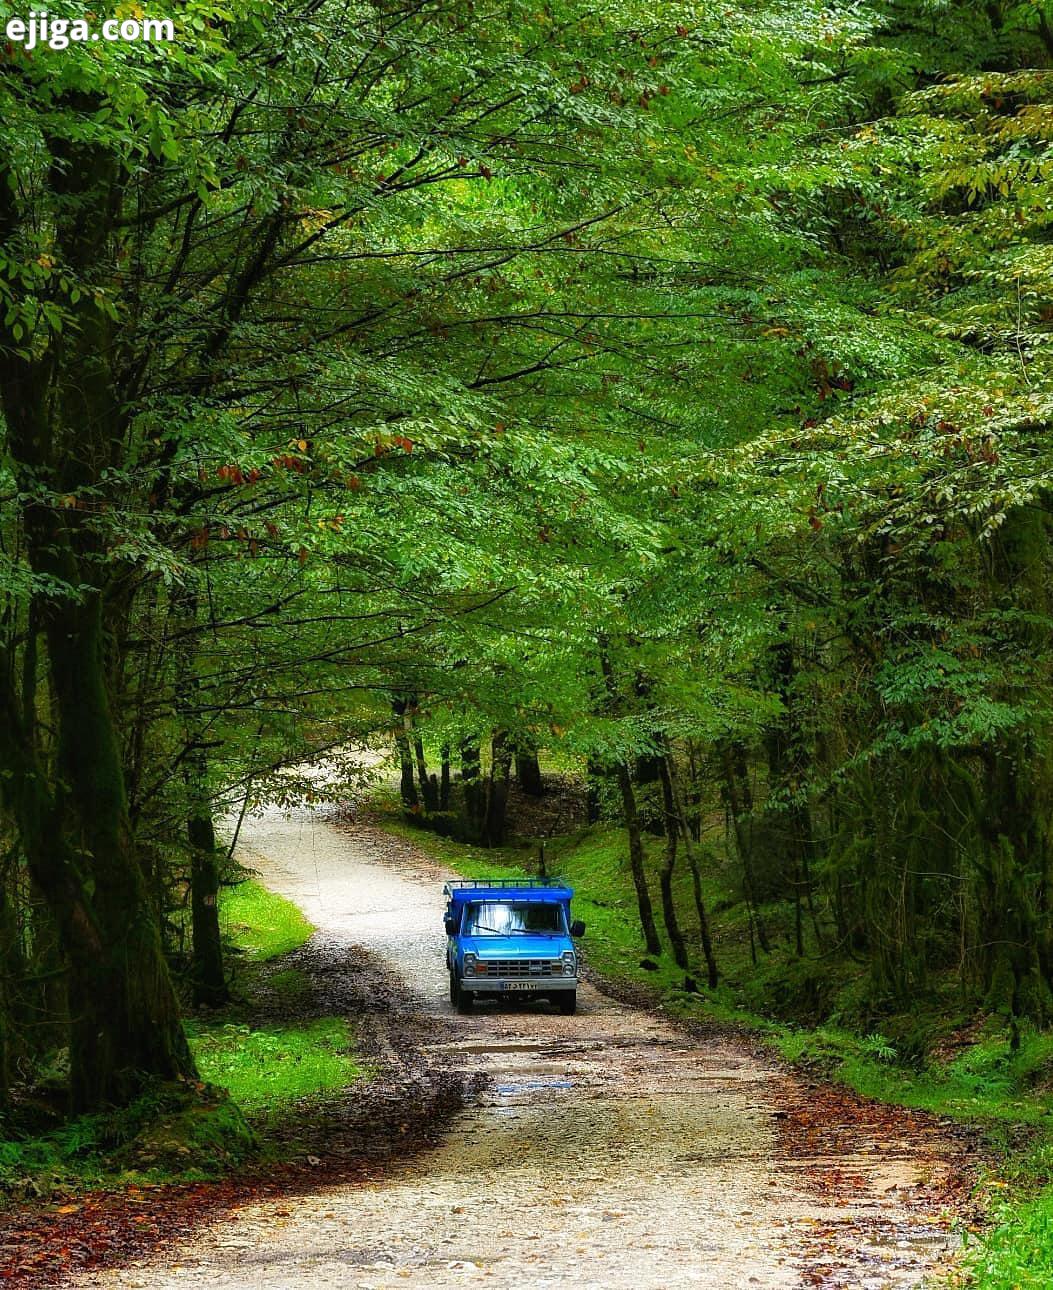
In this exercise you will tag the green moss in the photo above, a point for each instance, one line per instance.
(171, 1132)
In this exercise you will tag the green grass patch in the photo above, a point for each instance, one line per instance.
(261, 923)
(1018, 1250)
(264, 1069)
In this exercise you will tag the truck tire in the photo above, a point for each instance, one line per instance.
(465, 999)
(568, 1002)
(455, 988)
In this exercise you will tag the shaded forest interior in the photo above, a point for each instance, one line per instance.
(659, 401)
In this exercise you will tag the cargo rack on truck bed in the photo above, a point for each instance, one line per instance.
(461, 884)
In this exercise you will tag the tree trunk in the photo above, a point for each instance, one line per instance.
(636, 860)
(669, 915)
(594, 778)
(428, 785)
(473, 789)
(209, 980)
(444, 779)
(528, 772)
(124, 1018)
(407, 783)
(696, 877)
(497, 791)
(743, 844)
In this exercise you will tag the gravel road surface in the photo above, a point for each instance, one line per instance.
(608, 1149)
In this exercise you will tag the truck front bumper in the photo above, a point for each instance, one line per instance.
(520, 985)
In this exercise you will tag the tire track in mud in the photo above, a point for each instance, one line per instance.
(609, 1149)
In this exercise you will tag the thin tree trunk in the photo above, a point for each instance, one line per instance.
(696, 877)
(742, 843)
(636, 860)
(428, 785)
(473, 789)
(632, 821)
(407, 783)
(672, 829)
(444, 779)
(208, 980)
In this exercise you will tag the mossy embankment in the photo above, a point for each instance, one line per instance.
(816, 1011)
(266, 1050)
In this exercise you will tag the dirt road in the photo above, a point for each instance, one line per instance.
(609, 1149)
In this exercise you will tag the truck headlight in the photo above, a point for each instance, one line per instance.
(469, 964)
(570, 963)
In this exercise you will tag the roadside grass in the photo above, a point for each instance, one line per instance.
(1018, 1250)
(914, 1059)
(251, 1075)
(265, 1069)
(260, 923)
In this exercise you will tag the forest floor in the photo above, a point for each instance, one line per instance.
(520, 1147)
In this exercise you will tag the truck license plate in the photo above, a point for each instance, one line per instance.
(520, 985)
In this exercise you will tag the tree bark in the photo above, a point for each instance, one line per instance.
(696, 876)
(444, 779)
(65, 429)
(473, 789)
(669, 915)
(407, 783)
(636, 859)
(528, 772)
(497, 790)
(427, 784)
(743, 844)
(209, 979)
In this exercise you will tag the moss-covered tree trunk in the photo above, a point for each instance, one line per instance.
(124, 1014)
(66, 431)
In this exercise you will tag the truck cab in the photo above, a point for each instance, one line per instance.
(508, 940)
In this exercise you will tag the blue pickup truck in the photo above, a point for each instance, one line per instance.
(509, 940)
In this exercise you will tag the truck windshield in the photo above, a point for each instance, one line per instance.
(510, 918)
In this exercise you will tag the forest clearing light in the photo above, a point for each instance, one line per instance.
(41, 29)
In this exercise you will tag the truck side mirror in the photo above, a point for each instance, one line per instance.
(577, 928)
(451, 926)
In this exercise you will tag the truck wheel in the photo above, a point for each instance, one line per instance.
(568, 1002)
(465, 999)
(455, 988)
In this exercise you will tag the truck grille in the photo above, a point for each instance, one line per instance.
(518, 968)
